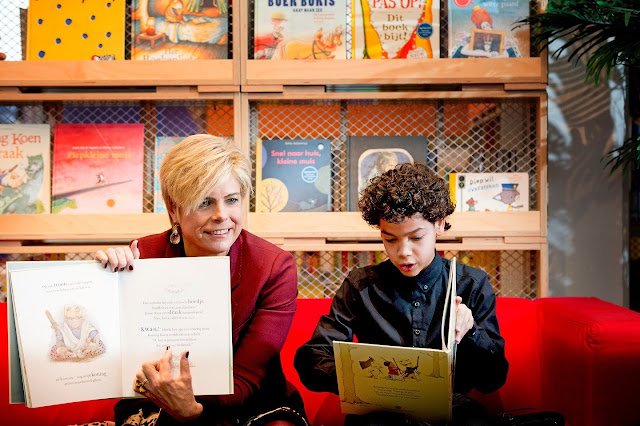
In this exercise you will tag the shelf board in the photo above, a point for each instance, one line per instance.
(402, 71)
(214, 72)
(81, 227)
(351, 226)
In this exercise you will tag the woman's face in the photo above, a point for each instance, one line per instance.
(214, 226)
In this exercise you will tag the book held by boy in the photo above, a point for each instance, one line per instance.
(25, 168)
(382, 29)
(415, 381)
(83, 331)
(496, 192)
(97, 168)
(293, 175)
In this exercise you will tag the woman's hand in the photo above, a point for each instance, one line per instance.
(173, 394)
(464, 319)
(120, 257)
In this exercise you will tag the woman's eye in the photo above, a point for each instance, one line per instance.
(205, 203)
(232, 200)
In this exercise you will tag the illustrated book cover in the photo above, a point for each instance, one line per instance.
(484, 29)
(293, 175)
(25, 168)
(179, 29)
(97, 168)
(496, 192)
(163, 145)
(75, 30)
(395, 29)
(83, 331)
(370, 156)
(300, 29)
(401, 379)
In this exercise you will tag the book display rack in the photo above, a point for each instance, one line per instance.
(476, 115)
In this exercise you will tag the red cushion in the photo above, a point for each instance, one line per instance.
(591, 360)
(79, 412)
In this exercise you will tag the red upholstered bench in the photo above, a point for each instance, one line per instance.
(578, 356)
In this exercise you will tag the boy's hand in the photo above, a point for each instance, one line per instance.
(464, 319)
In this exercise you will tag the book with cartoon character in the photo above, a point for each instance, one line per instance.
(80, 332)
(484, 29)
(495, 192)
(300, 30)
(395, 29)
(293, 175)
(25, 168)
(395, 378)
(179, 30)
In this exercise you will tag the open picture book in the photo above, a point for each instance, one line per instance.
(415, 381)
(78, 331)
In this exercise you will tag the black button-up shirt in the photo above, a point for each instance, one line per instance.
(378, 304)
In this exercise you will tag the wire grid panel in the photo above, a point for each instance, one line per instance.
(459, 136)
(13, 21)
(511, 273)
(168, 119)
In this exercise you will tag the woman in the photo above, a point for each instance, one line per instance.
(204, 182)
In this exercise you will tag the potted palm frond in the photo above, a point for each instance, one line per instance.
(607, 34)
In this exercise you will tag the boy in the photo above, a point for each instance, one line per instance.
(400, 301)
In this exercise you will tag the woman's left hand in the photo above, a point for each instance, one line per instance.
(173, 394)
(464, 319)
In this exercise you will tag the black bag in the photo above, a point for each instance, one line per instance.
(530, 418)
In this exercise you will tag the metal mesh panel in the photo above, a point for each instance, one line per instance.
(159, 118)
(511, 273)
(461, 136)
(13, 21)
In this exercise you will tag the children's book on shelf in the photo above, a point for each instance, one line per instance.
(395, 29)
(375, 378)
(82, 332)
(25, 168)
(73, 30)
(163, 145)
(369, 156)
(97, 168)
(485, 29)
(293, 175)
(179, 30)
(496, 192)
(300, 29)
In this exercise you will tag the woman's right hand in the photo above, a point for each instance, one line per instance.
(119, 258)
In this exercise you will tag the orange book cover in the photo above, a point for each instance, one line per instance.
(97, 168)
(75, 30)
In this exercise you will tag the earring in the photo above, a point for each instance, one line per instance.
(175, 234)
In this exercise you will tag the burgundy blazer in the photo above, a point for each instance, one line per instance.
(263, 300)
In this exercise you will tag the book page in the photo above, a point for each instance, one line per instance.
(68, 332)
(414, 381)
(184, 303)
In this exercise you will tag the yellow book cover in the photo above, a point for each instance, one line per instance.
(415, 381)
(75, 30)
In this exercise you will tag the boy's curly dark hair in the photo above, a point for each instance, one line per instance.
(404, 191)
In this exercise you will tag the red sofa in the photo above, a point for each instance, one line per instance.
(578, 356)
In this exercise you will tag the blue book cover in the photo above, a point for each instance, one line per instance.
(293, 175)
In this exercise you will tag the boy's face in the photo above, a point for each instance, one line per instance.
(411, 244)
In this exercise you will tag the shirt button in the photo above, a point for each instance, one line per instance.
(416, 304)
(425, 287)
(416, 332)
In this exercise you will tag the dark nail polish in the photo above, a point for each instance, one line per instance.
(186, 355)
(131, 267)
(105, 266)
(122, 269)
(167, 347)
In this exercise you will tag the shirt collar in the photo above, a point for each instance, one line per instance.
(432, 274)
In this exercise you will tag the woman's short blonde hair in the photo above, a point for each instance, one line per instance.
(196, 166)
